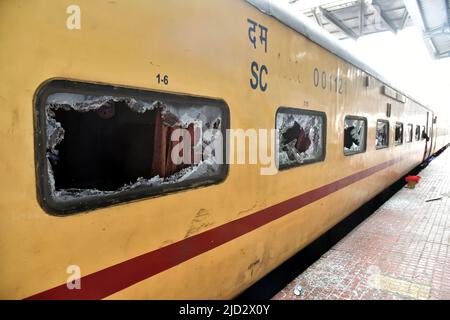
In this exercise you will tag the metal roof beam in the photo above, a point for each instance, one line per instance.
(361, 17)
(443, 30)
(417, 16)
(404, 19)
(415, 13)
(448, 9)
(316, 13)
(384, 18)
(338, 23)
(441, 55)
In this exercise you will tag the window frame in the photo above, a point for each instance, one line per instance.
(351, 153)
(403, 133)
(324, 136)
(54, 206)
(388, 134)
(412, 133)
(415, 137)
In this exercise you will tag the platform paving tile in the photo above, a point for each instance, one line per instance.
(400, 252)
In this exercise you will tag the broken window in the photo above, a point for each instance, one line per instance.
(398, 133)
(355, 129)
(301, 136)
(410, 133)
(100, 145)
(382, 134)
(417, 133)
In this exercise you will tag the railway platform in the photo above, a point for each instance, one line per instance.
(402, 251)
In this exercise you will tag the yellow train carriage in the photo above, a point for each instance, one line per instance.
(207, 237)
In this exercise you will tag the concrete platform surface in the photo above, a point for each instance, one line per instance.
(400, 252)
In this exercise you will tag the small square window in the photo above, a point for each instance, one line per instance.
(99, 145)
(355, 135)
(417, 133)
(423, 133)
(301, 136)
(388, 110)
(382, 134)
(409, 134)
(398, 138)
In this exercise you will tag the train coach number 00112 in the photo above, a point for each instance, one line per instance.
(328, 81)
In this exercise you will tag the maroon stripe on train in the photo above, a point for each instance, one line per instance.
(115, 278)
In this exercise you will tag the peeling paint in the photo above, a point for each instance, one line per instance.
(200, 222)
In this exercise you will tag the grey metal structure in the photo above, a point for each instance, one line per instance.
(353, 19)
(312, 31)
(433, 17)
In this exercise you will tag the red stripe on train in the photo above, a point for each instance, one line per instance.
(115, 278)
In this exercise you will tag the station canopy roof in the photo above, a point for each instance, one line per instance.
(355, 18)
(433, 17)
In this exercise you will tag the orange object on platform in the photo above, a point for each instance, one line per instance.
(412, 179)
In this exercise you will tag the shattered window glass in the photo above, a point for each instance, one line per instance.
(301, 136)
(382, 134)
(398, 133)
(417, 133)
(354, 135)
(410, 133)
(104, 146)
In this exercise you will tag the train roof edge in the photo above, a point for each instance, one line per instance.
(307, 28)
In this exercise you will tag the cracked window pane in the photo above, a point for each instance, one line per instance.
(102, 146)
(354, 135)
(301, 136)
(398, 133)
(382, 134)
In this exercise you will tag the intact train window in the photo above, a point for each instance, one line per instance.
(417, 133)
(98, 145)
(382, 134)
(355, 134)
(301, 136)
(410, 133)
(398, 133)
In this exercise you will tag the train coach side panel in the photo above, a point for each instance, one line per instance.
(206, 53)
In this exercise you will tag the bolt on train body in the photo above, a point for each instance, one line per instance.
(93, 206)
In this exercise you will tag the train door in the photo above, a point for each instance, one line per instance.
(425, 152)
(431, 120)
(435, 135)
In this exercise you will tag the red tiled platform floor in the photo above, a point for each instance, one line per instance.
(402, 251)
